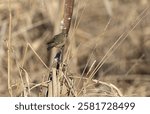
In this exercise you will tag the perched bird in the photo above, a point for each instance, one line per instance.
(57, 41)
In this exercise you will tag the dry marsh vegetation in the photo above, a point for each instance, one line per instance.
(108, 52)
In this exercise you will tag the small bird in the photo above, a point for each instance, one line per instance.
(57, 41)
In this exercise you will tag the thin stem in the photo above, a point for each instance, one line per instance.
(68, 11)
(9, 47)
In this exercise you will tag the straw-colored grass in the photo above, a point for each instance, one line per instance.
(107, 50)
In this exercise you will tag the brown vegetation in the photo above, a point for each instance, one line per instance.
(115, 35)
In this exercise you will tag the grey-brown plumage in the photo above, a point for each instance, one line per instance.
(57, 41)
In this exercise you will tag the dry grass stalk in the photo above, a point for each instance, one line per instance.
(9, 50)
(68, 11)
(54, 83)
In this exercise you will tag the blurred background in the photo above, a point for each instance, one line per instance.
(96, 26)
